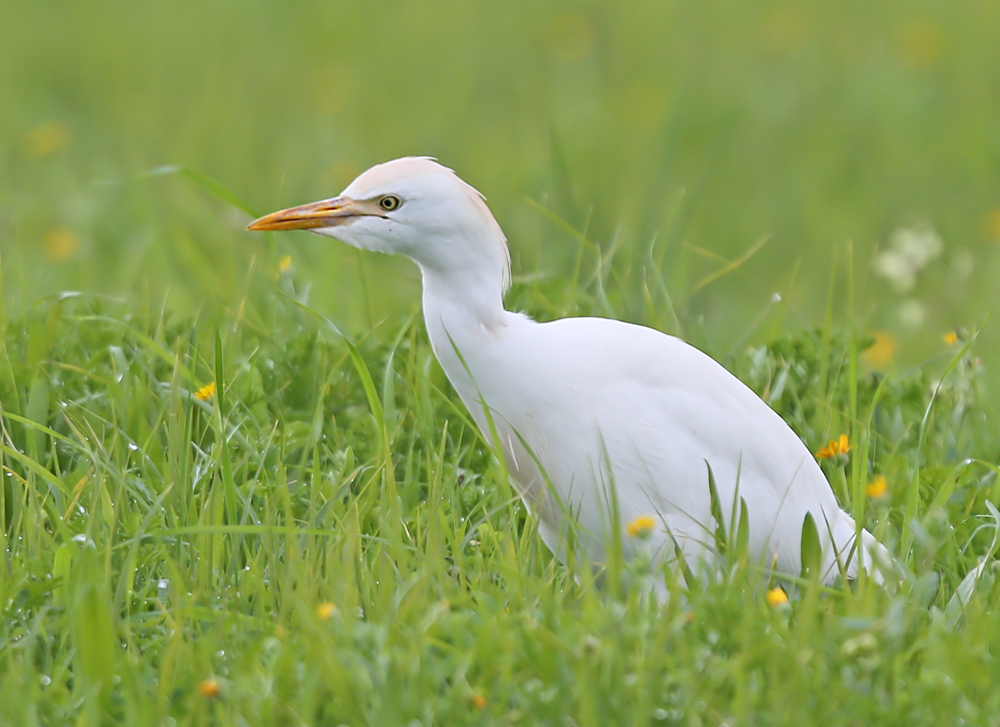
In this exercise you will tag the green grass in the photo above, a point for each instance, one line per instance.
(728, 172)
(154, 541)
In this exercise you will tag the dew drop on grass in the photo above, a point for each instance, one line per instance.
(84, 540)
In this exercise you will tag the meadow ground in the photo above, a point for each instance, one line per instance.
(237, 488)
(324, 539)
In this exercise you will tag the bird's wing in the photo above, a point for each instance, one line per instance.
(657, 412)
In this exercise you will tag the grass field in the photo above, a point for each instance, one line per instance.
(237, 488)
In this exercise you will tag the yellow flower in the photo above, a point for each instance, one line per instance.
(641, 526)
(918, 44)
(877, 487)
(834, 447)
(205, 392)
(325, 611)
(880, 354)
(285, 264)
(951, 338)
(60, 244)
(209, 688)
(993, 223)
(47, 139)
(478, 701)
(776, 597)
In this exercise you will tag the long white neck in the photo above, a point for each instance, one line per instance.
(462, 303)
(465, 269)
(464, 314)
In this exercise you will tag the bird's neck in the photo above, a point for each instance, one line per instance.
(465, 318)
(462, 302)
(465, 273)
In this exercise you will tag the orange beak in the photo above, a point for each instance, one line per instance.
(325, 213)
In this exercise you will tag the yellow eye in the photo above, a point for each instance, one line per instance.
(390, 202)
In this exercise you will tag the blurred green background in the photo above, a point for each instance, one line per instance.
(676, 133)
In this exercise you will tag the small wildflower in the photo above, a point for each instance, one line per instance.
(478, 701)
(834, 447)
(285, 263)
(47, 139)
(911, 313)
(60, 244)
(325, 611)
(209, 689)
(951, 338)
(910, 250)
(205, 392)
(776, 597)
(918, 45)
(640, 527)
(880, 354)
(993, 223)
(877, 488)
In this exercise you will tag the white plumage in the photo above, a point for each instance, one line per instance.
(608, 411)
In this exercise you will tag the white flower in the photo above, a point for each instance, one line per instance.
(912, 313)
(910, 250)
(897, 269)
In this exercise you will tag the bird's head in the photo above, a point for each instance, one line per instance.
(412, 206)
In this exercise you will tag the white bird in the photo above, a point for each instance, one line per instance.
(593, 415)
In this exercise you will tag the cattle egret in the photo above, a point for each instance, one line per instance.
(593, 416)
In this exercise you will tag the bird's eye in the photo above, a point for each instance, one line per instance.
(390, 202)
